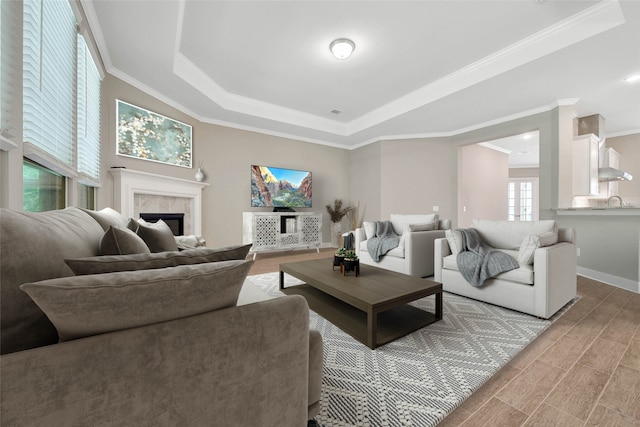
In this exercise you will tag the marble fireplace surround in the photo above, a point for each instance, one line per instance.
(131, 188)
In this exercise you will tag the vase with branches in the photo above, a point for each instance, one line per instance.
(337, 211)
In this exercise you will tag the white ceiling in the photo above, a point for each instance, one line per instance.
(420, 68)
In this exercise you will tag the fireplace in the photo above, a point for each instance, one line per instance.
(136, 192)
(175, 221)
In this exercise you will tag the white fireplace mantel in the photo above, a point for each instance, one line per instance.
(128, 183)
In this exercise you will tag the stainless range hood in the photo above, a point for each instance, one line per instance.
(612, 174)
(595, 124)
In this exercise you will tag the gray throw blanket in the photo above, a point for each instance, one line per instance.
(384, 239)
(478, 262)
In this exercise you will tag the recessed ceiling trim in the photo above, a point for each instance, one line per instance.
(520, 115)
(191, 74)
(601, 17)
(594, 20)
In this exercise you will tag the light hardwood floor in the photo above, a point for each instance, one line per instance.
(583, 370)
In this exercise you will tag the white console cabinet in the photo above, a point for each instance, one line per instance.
(271, 231)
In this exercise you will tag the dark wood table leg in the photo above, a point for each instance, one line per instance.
(281, 279)
(439, 305)
(372, 328)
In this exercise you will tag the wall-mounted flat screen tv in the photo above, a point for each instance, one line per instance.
(278, 187)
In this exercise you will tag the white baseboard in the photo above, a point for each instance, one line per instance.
(610, 279)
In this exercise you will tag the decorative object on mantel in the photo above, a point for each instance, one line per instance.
(336, 213)
(351, 263)
(146, 135)
(200, 174)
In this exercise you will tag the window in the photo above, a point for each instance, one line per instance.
(86, 196)
(49, 73)
(9, 73)
(522, 200)
(61, 107)
(44, 190)
(88, 116)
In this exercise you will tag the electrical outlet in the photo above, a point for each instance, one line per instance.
(578, 251)
(436, 208)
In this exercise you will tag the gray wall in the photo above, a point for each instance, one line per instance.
(629, 148)
(227, 155)
(386, 177)
(609, 244)
(483, 179)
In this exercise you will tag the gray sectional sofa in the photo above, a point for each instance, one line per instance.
(151, 339)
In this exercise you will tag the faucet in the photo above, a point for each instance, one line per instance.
(622, 203)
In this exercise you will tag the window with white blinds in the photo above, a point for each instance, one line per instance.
(10, 76)
(88, 116)
(49, 83)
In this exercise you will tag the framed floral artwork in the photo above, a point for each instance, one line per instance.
(146, 135)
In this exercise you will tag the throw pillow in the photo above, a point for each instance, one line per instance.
(369, 229)
(107, 217)
(81, 306)
(533, 242)
(190, 242)
(133, 225)
(454, 238)
(121, 241)
(158, 236)
(148, 261)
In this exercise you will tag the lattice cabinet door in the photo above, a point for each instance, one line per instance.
(311, 229)
(266, 231)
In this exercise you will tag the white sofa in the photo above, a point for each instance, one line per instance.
(540, 288)
(414, 254)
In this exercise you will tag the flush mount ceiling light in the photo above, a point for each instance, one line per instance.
(342, 48)
(632, 79)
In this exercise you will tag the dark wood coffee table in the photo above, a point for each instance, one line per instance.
(372, 307)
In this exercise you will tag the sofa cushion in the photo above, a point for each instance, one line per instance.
(33, 247)
(397, 252)
(533, 242)
(147, 261)
(158, 236)
(510, 234)
(107, 217)
(523, 275)
(399, 220)
(411, 228)
(82, 306)
(122, 241)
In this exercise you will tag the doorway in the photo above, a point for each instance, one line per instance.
(522, 199)
(498, 179)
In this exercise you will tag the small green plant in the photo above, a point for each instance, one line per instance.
(341, 252)
(350, 255)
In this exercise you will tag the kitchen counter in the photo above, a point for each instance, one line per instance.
(626, 211)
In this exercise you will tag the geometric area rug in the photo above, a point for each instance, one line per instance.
(418, 379)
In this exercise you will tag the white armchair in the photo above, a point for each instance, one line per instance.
(414, 254)
(542, 285)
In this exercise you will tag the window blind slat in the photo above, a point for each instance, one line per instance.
(88, 113)
(9, 72)
(49, 64)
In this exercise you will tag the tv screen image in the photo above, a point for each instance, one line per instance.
(278, 187)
